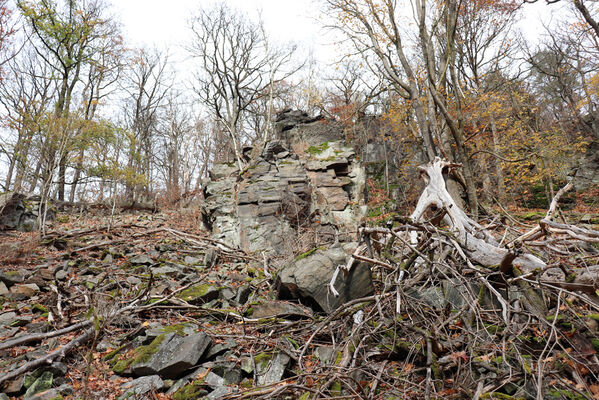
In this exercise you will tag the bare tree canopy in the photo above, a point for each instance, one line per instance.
(237, 67)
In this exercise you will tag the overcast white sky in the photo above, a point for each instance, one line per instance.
(164, 24)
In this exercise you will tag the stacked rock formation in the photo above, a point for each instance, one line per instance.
(306, 177)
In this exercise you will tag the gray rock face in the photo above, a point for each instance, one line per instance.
(297, 127)
(141, 386)
(3, 289)
(166, 270)
(142, 259)
(221, 392)
(308, 278)
(189, 260)
(220, 348)
(50, 394)
(219, 208)
(288, 119)
(305, 177)
(175, 355)
(588, 173)
(20, 212)
(7, 318)
(261, 199)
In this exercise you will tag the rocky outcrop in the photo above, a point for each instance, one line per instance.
(587, 175)
(289, 119)
(307, 177)
(19, 211)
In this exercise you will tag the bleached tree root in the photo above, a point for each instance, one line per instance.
(478, 244)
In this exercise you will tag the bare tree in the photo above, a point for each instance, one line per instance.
(147, 85)
(238, 66)
(26, 93)
(7, 29)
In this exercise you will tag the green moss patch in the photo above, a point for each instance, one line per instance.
(199, 293)
(194, 390)
(308, 253)
(41, 309)
(499, 396)
(140, 355)
(532, 216)
(315, 150)
(179, 329)
(594, 316)
(261, 360)
(563, 394)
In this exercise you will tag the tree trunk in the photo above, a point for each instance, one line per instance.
(62, 171)
(497, 163)
(11, 167)
(77, 175)
(22, 163)
(476, 241)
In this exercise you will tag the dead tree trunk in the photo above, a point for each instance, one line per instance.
(479, 244)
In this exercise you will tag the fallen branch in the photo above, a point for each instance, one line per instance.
(50, 357)
(36, 337)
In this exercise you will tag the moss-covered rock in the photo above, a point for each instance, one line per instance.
(140, 355)
(315, 150)
(192, 391)
(179, 329)
(561, 394)
(199, 294)
(44, 382)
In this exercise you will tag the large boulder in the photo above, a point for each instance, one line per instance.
(20, 212)
(307, 279)
(172, 354)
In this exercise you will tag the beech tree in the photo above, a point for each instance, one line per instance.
(26, 96)
(146, 85)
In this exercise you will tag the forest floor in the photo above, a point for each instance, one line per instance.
(123, 283)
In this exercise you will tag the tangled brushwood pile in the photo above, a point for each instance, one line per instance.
(469, 316)
(146, 309)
